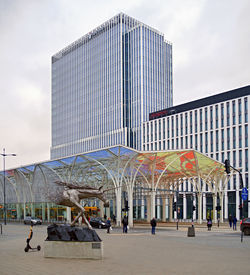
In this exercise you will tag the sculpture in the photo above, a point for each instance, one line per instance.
(70, 194)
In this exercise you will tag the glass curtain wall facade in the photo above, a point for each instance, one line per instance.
(149, 75)
(105, 84)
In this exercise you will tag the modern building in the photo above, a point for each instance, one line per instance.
(217, 126)
(105, 84)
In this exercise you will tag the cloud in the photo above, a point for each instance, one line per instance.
(211, 42)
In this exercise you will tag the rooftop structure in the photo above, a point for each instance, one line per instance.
(221, 97)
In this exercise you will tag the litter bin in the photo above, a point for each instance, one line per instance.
(191, 232)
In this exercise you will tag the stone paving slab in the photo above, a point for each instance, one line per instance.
(138, 252)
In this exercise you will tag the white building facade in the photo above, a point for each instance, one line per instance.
(217, 126)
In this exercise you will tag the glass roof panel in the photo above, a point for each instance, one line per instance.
(99, 154)
(8, 173)
(68, 160)
(127, 151)
(23, 170)
(30, 167)
(115, 150)
(80, 159)
(53, 164)
(208, 165)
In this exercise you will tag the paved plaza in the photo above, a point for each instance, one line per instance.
(219, 251)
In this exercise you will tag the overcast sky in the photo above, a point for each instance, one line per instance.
(211, 54)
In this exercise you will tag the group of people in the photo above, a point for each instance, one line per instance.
(231, 220)
(125, 225)
(153, 223)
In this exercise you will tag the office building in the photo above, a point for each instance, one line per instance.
(217, 126)
(105, 84)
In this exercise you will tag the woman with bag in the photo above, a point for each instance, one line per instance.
(209, 223)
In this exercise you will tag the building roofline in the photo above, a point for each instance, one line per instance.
(79, 42)
(206, 101)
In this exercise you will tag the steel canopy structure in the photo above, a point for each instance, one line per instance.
(119, 169)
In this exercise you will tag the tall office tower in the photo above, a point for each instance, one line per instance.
(105, 84)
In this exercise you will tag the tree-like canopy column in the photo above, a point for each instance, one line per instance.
(221, 194)
(199, 195)
(118, 195)
(24, 210)
(130, 204)
(184, 206)
(204, 199)
(114, 206)
(171, 196)
(48, 212)
(164, 214)
(152, 215)
(226, 205)
(43, 211)
(148, 197)
(214, 207)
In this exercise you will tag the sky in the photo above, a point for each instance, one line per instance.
(211, 42)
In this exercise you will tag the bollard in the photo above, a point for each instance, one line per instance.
(1, 229)
(191, 232)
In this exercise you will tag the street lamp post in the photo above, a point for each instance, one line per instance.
(227, 169)
(4, 192)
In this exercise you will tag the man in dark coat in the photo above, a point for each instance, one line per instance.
(125, 224)
(153, 224)
(114, 219)
(234, 223)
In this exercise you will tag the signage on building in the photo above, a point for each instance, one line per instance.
(158, 114)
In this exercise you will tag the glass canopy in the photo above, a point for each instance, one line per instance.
(113, 168)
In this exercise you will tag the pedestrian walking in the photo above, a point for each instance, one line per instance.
(125, 224)
(105, 217)
(153, 224)
(234, 223)
(114, 219)
(209, 223)
(109, 225)
(230, 220)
